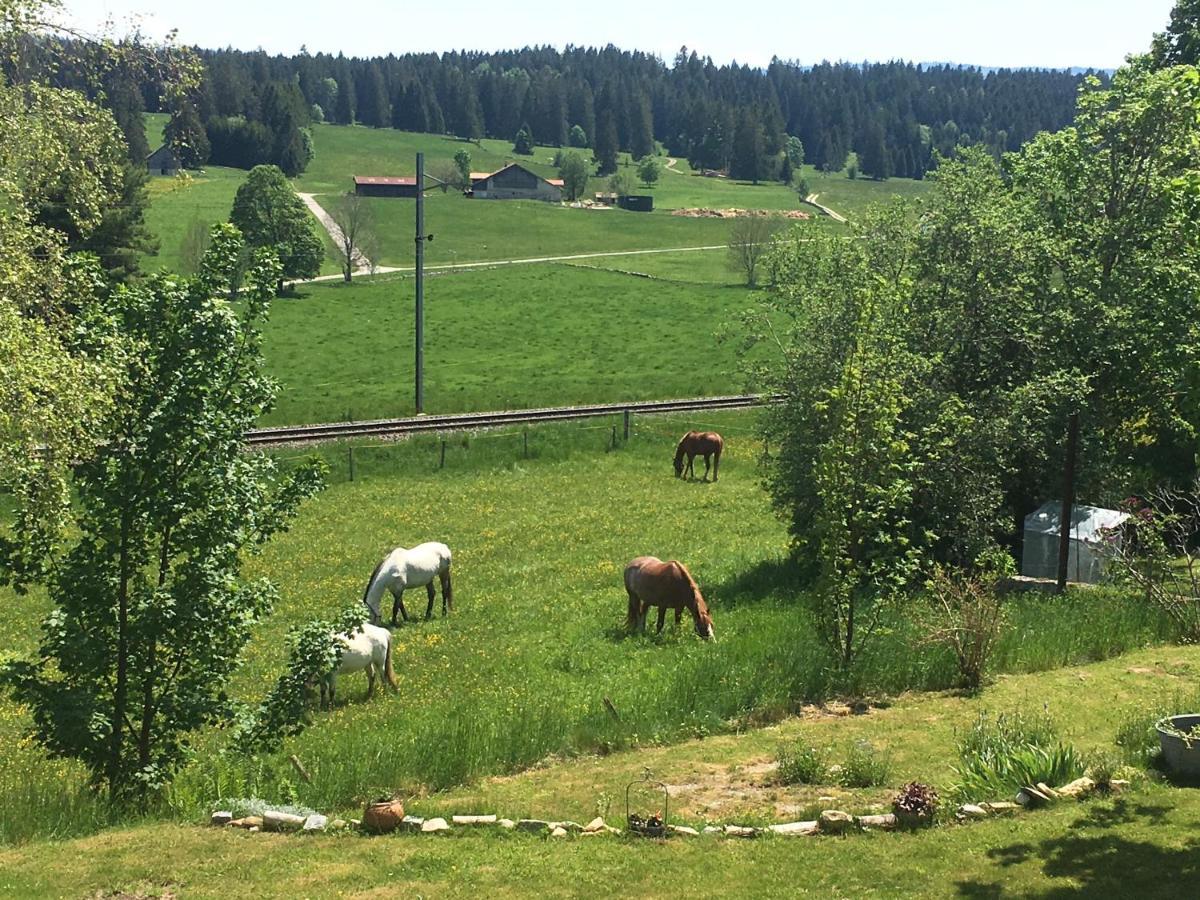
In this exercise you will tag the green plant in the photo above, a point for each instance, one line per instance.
(801, 764)
(864, 766)
(1000, 755)
(916, 804)
(967, 616)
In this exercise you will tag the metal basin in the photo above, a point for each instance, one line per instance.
(1182, 757)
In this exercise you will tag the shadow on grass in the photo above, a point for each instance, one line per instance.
(765, 578)
(1100, 859)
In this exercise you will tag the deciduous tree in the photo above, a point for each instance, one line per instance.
(574, 173)
(270, 215)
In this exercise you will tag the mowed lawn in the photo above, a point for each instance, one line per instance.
(521, 336)
(1137, 845)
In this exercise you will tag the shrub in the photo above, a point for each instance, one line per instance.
(967, 616)
(1002, 755)
(802, 765)
(865, 766)
(916, 804)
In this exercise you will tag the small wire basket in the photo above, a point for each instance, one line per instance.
(653, 825)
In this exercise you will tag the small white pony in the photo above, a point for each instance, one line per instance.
(402, 569)
(369, 649)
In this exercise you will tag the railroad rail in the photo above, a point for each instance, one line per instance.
(308, 434)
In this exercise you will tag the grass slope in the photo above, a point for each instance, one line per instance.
(519, 672)
(502, 338)
(1135, 846)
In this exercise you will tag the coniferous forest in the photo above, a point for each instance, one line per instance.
(898, 117)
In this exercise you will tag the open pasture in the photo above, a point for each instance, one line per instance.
(537, 335)
(519, 672)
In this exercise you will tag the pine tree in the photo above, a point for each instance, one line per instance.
(343, 106)
(185, 135)
(605, 146)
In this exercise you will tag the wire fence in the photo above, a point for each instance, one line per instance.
(360, 459)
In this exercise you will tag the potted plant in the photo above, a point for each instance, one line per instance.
(383, 815)
(1179, 737)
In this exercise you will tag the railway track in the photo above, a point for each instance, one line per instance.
(334, 431)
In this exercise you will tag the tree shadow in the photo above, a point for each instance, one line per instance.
(763, 579)
(1099, 861)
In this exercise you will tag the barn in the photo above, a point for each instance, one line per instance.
(376, 186)
(163, 161)
(515, 182)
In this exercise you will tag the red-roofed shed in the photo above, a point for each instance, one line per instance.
(378, 186)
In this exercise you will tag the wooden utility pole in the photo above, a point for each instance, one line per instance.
(1068, 504)
(420, 272)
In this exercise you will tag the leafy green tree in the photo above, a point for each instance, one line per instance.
(1180, 43)
(577, 137)
(523, 143)
(138, 651)
(648, 170)
(270, 215)
(462, 162)
(795, 151)
(621, 184)
(574, 173)
(186, 136)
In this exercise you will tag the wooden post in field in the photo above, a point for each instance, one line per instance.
(350, 455)
(626, 425)
(525, 439)
(1064, 534)
(420, 285)
(442, 464)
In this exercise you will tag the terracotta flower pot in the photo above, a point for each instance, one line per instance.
(383, 816)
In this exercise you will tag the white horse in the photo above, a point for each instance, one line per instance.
(402, 569)
(370, 649)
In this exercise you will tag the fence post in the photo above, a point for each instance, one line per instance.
(350, 454)
(614, 439)
(525, 440)
(626, 425)
(442, 463)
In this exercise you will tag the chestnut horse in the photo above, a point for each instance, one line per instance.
(651, 582)
(699, 443)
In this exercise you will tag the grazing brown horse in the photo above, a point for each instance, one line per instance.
(699, 443)
(651, 582)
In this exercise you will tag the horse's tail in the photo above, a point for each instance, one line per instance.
(447, 587)
(388, 672)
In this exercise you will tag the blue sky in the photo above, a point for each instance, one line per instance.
(1052, 33)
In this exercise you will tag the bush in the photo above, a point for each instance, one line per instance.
(865, 766)
(1002, 755)
(916, 804)
(967, 616)
(802, 765)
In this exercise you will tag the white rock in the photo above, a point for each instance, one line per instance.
(473, 820)
(507, 824)
(1080, 787)
(971, 811)
(684, 830)
(834, 821)
(795, 828)
(220, 818)
(558, 832)
(432, 825)
(886, 821)
(253, 828)
(281, 821)
(596, 825)
(713, 829)
(567, 826)
(315, 822)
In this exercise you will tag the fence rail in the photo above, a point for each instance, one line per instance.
(308, 434)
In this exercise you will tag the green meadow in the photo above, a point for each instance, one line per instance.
(512, 337)
(541, 526)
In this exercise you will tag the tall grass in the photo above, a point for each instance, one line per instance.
(523, 667)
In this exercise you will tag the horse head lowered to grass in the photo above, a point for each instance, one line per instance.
(708, 444)
(403, 569)
(651, 582)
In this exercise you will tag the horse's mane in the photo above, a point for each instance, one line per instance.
(371, 581)
(701, 606)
